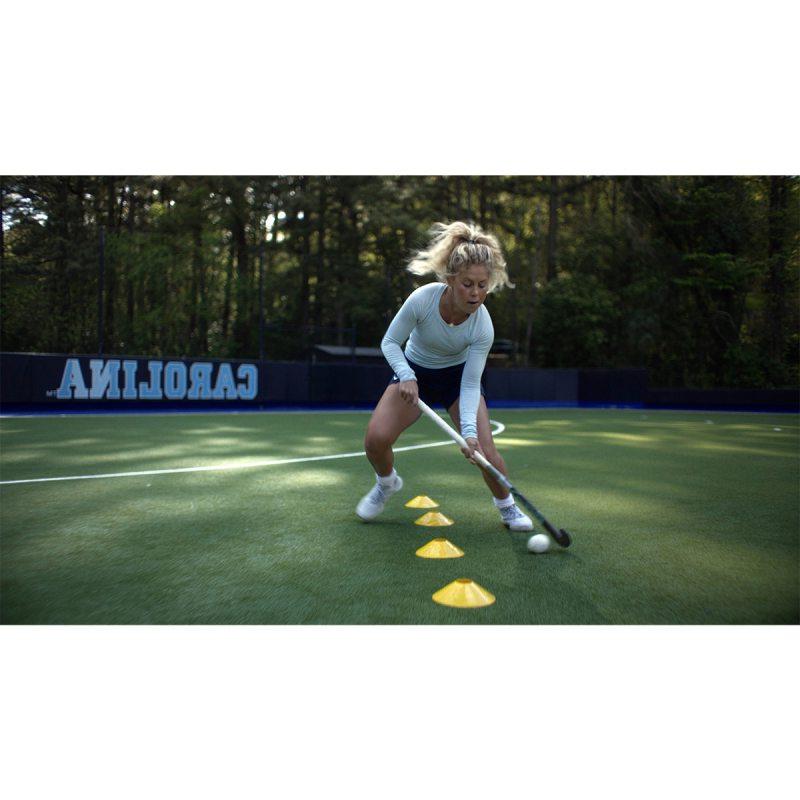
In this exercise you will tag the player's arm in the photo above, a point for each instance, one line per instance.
(471, 384)
(392, 346)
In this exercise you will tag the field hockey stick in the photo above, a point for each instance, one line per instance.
(560, 536)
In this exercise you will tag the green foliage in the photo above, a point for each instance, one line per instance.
(693, 278)
(574, 323)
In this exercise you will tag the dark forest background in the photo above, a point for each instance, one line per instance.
(692, 278)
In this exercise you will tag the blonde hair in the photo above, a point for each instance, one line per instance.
(459, 245)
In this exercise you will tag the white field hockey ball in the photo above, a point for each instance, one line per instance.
(539, 543)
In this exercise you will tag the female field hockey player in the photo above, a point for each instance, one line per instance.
(448, 334)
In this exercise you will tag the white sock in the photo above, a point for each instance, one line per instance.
(387, 480)
(509, 501)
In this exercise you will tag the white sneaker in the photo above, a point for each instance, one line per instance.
(372, 503)
(514, 519)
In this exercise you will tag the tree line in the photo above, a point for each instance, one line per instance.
(692, 277)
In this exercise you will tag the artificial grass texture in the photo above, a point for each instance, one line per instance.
(677, 518)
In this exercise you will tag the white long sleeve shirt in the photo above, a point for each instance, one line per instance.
(434, 344)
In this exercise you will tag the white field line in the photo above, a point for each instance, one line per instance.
(496, 431)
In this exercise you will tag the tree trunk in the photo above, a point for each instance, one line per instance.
(226, 303)
(456, 214)
(59, 289)
(482, 201)
(203, 331)
(534, 289)
(613, 204)
(552, 229)
(2, 229)
(110, 276)
(193, 332)
(242, 326)
(272, 250)
(349, 247)
(518, 250)
(301, 317)
(129, 281)
(320, 260)
(338, 290)
(776, 253)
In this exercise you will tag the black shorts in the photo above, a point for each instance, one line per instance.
(439, 386)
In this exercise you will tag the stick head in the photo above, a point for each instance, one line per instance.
(563, 538)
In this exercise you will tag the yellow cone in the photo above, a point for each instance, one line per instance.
(433, 519)
(463, 593)
(422, 501)
(440, 548)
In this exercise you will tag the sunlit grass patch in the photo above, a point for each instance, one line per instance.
(675, 521)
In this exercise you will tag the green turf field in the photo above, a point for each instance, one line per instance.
(677, 518)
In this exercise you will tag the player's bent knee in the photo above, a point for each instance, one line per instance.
(376, 442)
